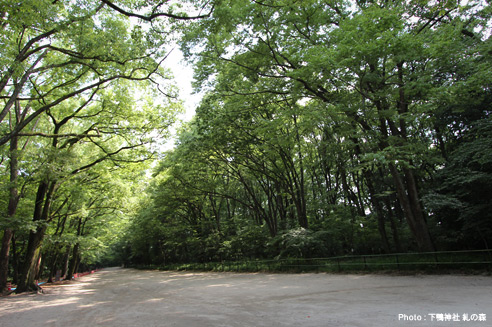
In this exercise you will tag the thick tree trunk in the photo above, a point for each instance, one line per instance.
(409, 195)
(29, 269)
(4, 258)
(406, 187)
(41, 213)
(412, 210)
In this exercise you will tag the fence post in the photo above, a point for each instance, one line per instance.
(397, 262)
(487, 259)
(489, 266)
(338, 263)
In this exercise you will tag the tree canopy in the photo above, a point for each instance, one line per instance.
(328, 127)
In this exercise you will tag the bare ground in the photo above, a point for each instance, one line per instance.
(126, 297)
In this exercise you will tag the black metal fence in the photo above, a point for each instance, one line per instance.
(479, 260)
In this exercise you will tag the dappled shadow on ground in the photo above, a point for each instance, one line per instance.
(126, 297)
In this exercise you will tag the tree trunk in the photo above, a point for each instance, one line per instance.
(410, 199)
(66, 259)
(29, 269)
(53, 265)
(77, 263)
(4, 258)
(41, 212)
(15, 261)
(73, 262)
(412, 210)
(394, 227)
(72, 266)
(379, 213)
(12, 208)
(407, 192)
(39, 266)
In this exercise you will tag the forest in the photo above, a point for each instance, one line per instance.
(325, 128)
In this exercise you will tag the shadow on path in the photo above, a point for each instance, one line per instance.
(127, 297)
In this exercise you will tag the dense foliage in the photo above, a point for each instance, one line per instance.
(327, 128)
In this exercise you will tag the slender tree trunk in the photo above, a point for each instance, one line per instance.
(394, 227)
(73, 262)
(57, 248)
(77, 263)
(12, 208)
(382, 230)
(216, 212)
(15, 261)
(257, 207)
(53, 264)
(72, 266)
(379, 214)
(66, 259)
(39, 266)
(299, 178)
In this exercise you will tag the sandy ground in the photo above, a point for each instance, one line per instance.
(126, 297)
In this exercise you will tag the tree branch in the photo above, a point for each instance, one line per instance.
(154, 15)
(5, 138)
(59, 135)
(101, 159)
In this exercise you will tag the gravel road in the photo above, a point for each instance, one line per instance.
(126, 297)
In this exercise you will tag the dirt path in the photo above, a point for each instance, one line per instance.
(126, 297)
